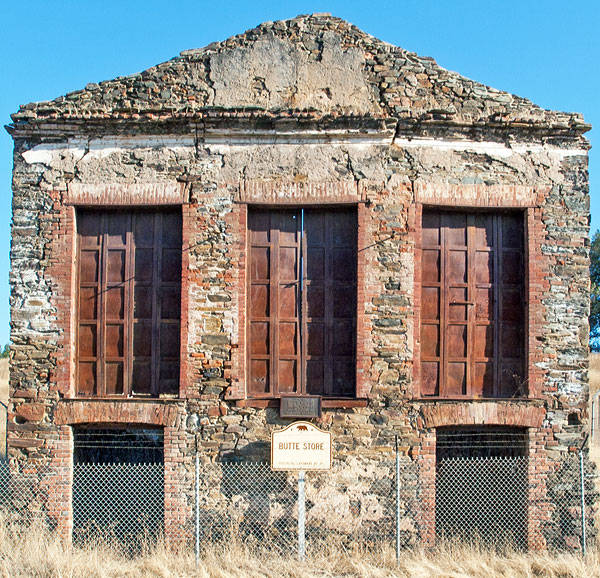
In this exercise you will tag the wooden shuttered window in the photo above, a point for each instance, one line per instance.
(129, 302)
(472, 305)
(302, 302)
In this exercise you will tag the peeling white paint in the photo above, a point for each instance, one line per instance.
(223, 140)
(486, 147)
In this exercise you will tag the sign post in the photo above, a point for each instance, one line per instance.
(301, 446)
(301, 516)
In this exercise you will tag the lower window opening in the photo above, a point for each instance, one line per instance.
(118, 486)
(481, 486)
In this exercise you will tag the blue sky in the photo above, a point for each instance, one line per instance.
(547, 51)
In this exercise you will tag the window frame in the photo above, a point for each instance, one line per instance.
(128, 319)
(526, 264)
(270, 397)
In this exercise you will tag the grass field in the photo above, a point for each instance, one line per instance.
(37, 553)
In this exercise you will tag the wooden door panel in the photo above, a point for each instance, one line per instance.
(484, 267)
(472, 287)
(142, 377)
(455, 229)
(430, 232)
(169, 340)
(287, 376)
(115, 302)
(87, 382)
(88, 303)
(260, 263)
(136, 308)
(344, 302)
(430, 382)
(288, 300)
(456, 342)
(114, 340)
(88, 266)
(170, 302)
(142, 302)
(430, 266)
(456, 379)
(430, 341)
(301, 359)
(259, 377)
(430, 306)
(259, 337)
(142, 339)
(483, 379)
(87, 340)
(315, 300)
(89, 229)
(315, 263)
(143, 231)
(259, 298)
(113, 377)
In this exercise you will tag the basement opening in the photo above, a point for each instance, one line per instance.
(481, 485)
(118, 485)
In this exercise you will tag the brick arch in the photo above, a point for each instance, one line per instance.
(483, 413)
(116, 412)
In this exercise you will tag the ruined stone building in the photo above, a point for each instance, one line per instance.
(300, 210)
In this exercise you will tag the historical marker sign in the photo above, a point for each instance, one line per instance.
(301, 446)
(300, 406)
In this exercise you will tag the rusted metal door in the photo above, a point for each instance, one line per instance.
(302, 302)
(129, 302)
(472, 304)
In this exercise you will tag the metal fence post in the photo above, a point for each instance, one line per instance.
(197, 506)
(582, 485)
(301, 516)
(397, 504)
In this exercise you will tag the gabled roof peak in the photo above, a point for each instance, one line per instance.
(314, 64)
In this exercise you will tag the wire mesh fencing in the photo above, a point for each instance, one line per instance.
(482, 498)
(358, 504)
(118, 501)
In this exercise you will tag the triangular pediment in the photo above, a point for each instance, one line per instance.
(315, 65)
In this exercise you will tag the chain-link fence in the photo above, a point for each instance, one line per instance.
(500, 501)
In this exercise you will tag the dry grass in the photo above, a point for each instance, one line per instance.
(39, 554)
(594, 372)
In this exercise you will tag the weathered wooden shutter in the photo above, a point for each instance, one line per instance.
(129, 302)
(274, 309)
(329, 308)
(472, 312)
(302, 331)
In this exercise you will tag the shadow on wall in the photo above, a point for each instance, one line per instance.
(3, 404)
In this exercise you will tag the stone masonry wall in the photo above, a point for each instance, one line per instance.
(217, 128)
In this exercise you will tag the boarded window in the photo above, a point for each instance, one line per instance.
(129, 302)
(472, 304)
(302, 302)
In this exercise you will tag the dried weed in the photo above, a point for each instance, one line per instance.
(39, 554)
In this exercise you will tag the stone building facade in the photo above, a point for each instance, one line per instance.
(298, 210)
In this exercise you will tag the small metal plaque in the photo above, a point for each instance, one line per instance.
(300, 406)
